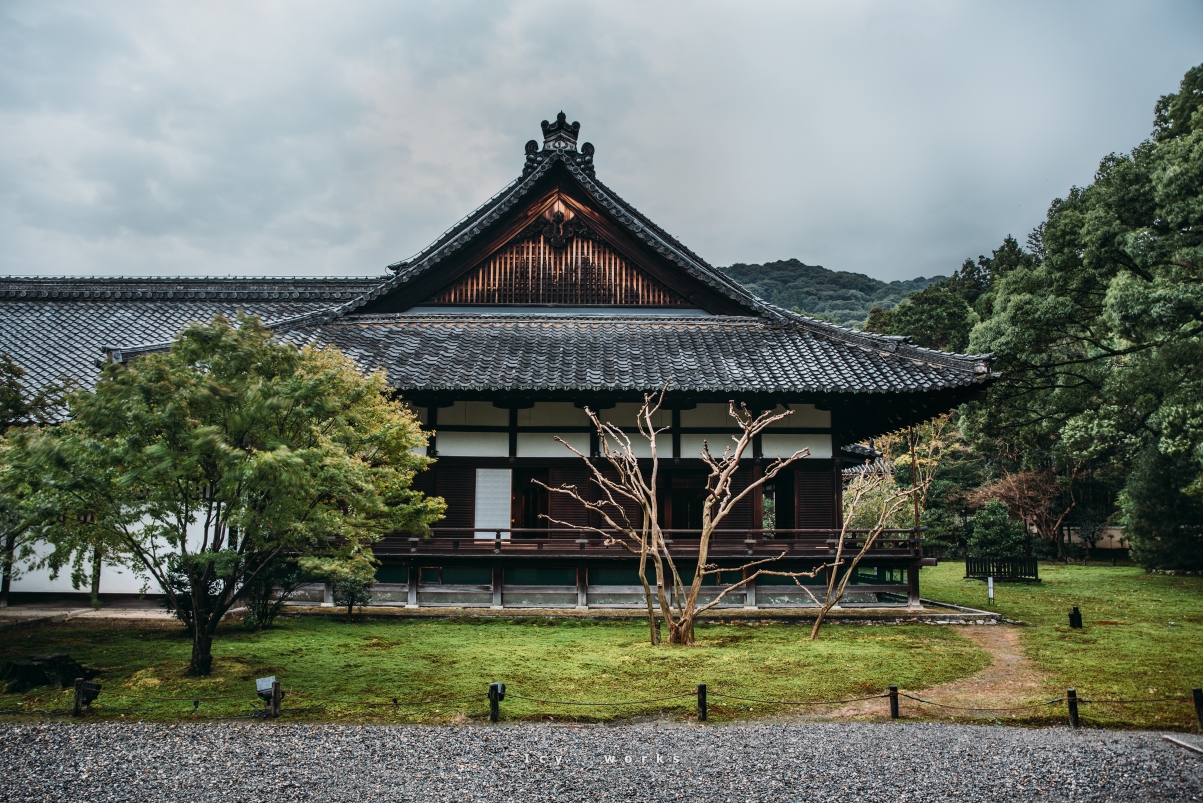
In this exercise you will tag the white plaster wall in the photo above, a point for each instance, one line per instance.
(642, 448)
(473, 444)
(625, 415)
(474, 413)
(553, 414)
(691, 444)
(114, 579)
(785, 445)
(804, 415)
(708, 415)
(544, 444)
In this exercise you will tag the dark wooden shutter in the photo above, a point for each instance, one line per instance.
(633, 510)
(564, 508)
(740, 517)
(815, 499)
(783, 484)
(424, 482)
(457, 486)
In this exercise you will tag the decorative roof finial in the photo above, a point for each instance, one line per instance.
(559, 142)
(560, 136)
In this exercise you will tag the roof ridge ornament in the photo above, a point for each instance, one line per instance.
(560, 136)
(559, 139)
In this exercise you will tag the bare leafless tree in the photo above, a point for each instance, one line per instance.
(877, 489)
(627, 487)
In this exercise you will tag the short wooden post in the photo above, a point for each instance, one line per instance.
(77, 707)
(912, 585)
(893, 702)
(276, 695)
(582, 588)
(702, 702)
(1198, 695)
(411, 588)
(1071, 699)
(498, 579)
(494, 702)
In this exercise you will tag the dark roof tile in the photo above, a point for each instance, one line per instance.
(450, 353)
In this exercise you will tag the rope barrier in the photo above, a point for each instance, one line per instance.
(509, 696)
(790, 702)
(978, 708)
(34, 711)
(174, 699)
(394, 702)
(1133, 702)
(399, 702)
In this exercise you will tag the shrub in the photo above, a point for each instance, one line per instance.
(996, 535)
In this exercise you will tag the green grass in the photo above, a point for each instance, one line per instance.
(318, 658)
(1142, 636)
(1128, 650)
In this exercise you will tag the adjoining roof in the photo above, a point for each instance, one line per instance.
(55, 328)
(154, 288)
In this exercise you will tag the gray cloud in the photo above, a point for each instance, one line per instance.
(285, 138)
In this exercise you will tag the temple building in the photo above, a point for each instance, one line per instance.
(555, 295)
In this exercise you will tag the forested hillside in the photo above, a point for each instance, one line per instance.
(843, 297)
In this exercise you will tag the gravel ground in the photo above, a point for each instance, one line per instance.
(657, 761)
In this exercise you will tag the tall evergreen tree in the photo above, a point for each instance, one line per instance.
(1099, 341)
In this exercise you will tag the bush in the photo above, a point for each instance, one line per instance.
(1164, 523)
(351, 592)
(996, 535)
(266, 594)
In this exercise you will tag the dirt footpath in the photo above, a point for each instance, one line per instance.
(1010, 679)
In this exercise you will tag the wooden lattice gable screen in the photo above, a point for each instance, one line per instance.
(558, 260)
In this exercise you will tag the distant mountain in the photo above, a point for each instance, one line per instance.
(843, 297)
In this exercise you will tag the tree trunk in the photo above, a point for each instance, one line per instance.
(96, 578)
(823, 610)
(653, 626)
(681, 631)
(202, 651)
(1060, 541)
(6, 580)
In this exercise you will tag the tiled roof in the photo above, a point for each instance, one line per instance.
(55, 328)
(625, 353)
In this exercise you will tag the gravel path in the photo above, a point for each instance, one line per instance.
(658, 761)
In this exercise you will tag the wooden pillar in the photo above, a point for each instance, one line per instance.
(912, 579)
(837, 502)
(514, 433)
(750, 594)
(758, 498)
(411, 596)
(676, 432)
(498, 576)
(582, 588)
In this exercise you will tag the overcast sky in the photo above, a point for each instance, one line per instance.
(292, 138)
